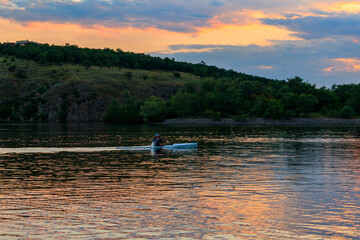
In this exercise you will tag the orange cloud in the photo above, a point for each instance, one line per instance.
(128, 39)
(242, 35)
(141, 40)
(349, 7)
(338, 7)
(329, 69)
(344, 65)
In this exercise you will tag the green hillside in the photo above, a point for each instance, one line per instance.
(33, 91)
(67, 83)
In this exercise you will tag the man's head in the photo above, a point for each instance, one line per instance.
(157, 135)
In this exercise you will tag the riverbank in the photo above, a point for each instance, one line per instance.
(295, 122)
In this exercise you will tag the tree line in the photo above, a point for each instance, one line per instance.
(240, 99)
(220, 93)
(72, 54)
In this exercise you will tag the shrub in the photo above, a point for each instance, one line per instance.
(5, 111)
(332, 113)
(346, 112)
(128, 75)
(21, 74)
(324, 110)
(241, 117)
(41, 89)
(12, 68)
(43, 116)
(216, 116)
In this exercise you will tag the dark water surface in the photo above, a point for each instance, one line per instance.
(241, 183)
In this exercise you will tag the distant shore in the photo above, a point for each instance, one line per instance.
(295, 122)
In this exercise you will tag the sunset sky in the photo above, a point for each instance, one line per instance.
(318, 40)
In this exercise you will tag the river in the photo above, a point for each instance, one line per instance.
(68, 181)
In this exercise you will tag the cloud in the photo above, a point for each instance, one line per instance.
(340, 7)
(265, 67)
(277, 39)
(316, 27)
(170, 15)
(322, 62)
(344, 65)
(177, 16)
(216, 4)
(140, 39)
(194, 47)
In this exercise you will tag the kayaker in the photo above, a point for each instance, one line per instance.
(157, 141)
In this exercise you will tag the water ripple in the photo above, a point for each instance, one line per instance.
(242, 183)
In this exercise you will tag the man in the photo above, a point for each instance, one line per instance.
(157, 141)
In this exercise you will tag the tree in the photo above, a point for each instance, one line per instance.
(275, 109)
(258, 107)
(327, 99)
(305, 103)
(112, 113)
(354, 101)
(184, 104)
(153, 109)
(289, 99)
(129, 112)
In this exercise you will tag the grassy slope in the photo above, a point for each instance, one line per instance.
(106, 80)
(46, 85)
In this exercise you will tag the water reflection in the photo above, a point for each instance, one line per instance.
(251, 183)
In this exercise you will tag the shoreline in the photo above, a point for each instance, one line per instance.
(250, 122)
(295, 122)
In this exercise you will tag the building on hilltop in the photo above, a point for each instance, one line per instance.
(26, 42)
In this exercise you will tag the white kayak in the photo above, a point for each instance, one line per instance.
(172, 146)
(176, 146)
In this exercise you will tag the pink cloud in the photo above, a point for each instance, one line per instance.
(265, 67)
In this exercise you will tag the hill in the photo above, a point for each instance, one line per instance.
(33, 91)
(67, 83)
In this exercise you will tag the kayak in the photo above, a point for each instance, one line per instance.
(172, 146)
(176, 146)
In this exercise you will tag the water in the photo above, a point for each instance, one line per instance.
(241, 183)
